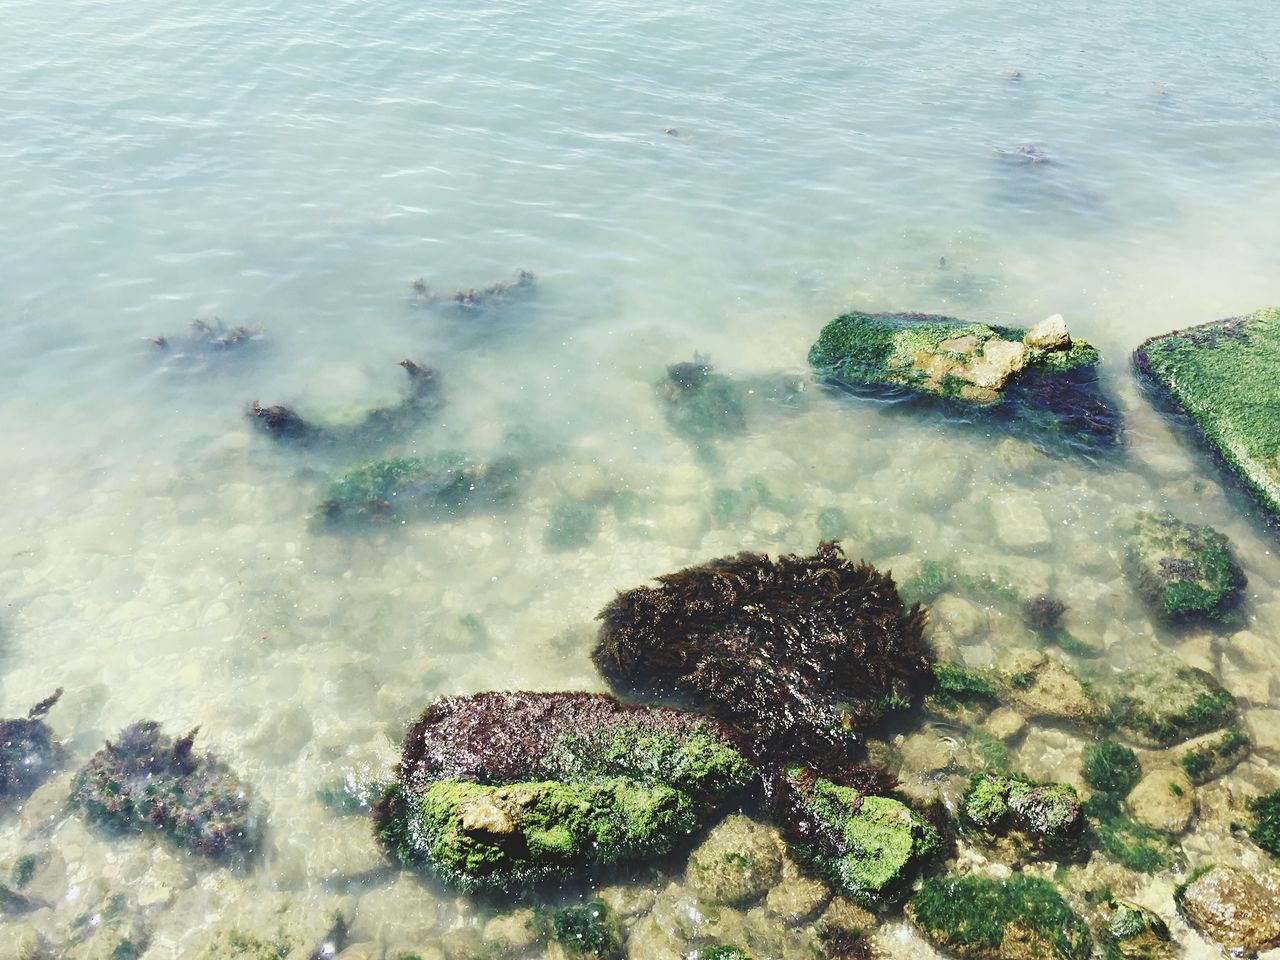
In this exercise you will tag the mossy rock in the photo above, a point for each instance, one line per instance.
(1123, 840)
(978, 918)
(439, 486)
(1043, 819)
(700, 404)
(1129, 931)
(1169, 702)
(1221, 376)
(972, 370)
(1213, 755)
(870, 847)
(1264, 824)
(1112, 767)
(589, 930)
(1182, 570)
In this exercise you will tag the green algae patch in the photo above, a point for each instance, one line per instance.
(1182, 569)
(1223, 376)
(1129, 931)
(402, 488)
(871, 847)
(978, 918)
(1043, 380)
(723, 952)
(589, 930)
(1211, 756)
(481, 837)
(1264, 826)
(1123, 840)
(1168, 703)
(1112, 767)
(700, 404)
(1043, 819)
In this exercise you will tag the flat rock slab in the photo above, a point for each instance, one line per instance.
(1222, 376)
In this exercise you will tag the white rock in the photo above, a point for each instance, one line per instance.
(1049, 334)
(1020, 523)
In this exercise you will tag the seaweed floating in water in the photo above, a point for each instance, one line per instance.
(798, 654)
(376, 427)
(28, 752)
(425, 296)
(148, 780)
(207, 338)
(501, 790)
(404, 488)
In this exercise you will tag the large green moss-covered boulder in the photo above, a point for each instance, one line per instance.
(1169, 702)
(1222, 376)
(1182, 570)
(978, 918)
(1042, 819)
(1041, 380)
(504, 790)
(870, 847)
(439, 486)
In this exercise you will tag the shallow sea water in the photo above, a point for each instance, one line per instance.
(707, 179)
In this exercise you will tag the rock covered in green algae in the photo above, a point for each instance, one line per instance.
(798, 654)
(1209, 757)
(701, 404)
(723, 952)
(1130, 931)
(1120, 838)
(1111, 767)
(28, 752)
(1182, 569)
(1222, 376)
(438, 486)
(499, 790)
(588, 930)
(148, 780)
(373, 428)
(737, 864)
(1237, 910)
(1169, 702)
(979, 918)
(871, 847)
(1264, 825)
(1048, 385)
(1044, 819)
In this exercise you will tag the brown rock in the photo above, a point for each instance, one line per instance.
(1164, 799)
(485, 815)
(1049, 334)
(966, 345)
(1239, 911)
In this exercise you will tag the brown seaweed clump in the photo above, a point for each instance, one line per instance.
(796, 654)
(208, 336)
(377, 426)
(148, 780)
(425, 296)
(28, 752)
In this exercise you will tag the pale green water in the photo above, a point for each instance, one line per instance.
(295, 166)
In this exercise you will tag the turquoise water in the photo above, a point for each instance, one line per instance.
(708, 178)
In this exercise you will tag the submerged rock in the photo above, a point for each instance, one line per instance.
(206, 338)
(737, 863)
(588, 930)
(1164, 800)
(1221, 376)
(1120, 838)
(870, 847)
(700, 404)
(1237, 910)
(1182, 569)
(1041, 819)
(438, 486)
(373, 428)
(1169, 702)
(147, 780)
(1111, 767)
(1264, 825)
(978, 918)
(473, 298)
(1048, 390)
(29, 754)
(798, 654)
(502, 790)
(1129, 931)
(1209, 757)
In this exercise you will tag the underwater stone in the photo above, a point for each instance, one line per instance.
(1112, 767)
(589, 930)
(1164, 799)
(978, 918)
(1132, 932)
(1043, 819)
(147, 780)
(373, 428)
(1168, 702)
(29, 755)
(473, 298)
(1209, 757)
(1221, 376)
(207, 337)
(438, 486)
(700, 404)
(1042, 687)
(500, 790)
(1264, 825)
(966, 369)
(1182, 569)
(870, 847)
(799, 654)
(737, 863)
(1131, 844)
(1237, 910)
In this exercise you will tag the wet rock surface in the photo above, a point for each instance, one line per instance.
(1182, 570)
(1168, 703)
(1237, 910)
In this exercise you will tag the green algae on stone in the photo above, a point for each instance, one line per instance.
(1182, 569)
(1123, 840)
(1043, 818)
(1050, 390)
(978, 918)
(1169, 702)
(1213, 755)
(572, 524)
(479, 837)
(1129, 931)
(701, 404)
(723, 952)
(1222, 376)
(1112, 767)
(438, 486)
(587, 930)
(1264, 825)
(870, 847)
